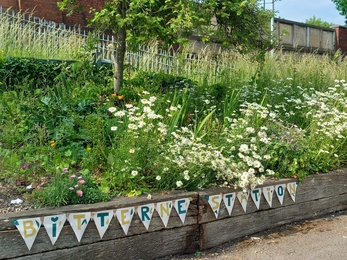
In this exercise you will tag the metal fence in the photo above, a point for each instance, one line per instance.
(145, 57)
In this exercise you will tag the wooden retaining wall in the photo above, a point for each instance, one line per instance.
(315, 196)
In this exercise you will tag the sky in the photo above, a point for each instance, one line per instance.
(300, 10)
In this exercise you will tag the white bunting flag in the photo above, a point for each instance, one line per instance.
(214, 201)
(280, 189)
(164, 211)
(125, 217)
(181, 206)
(229, 200)
(268, 194)
(54, 225)
(243, 199)
(256, 195)
(28, 228)
(145, 213)
(79, 222)
(291, 187)
(102, 220)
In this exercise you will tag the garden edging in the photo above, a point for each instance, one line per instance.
(316, 195)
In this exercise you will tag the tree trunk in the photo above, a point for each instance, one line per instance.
(120, 53)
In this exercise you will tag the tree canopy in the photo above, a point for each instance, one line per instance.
(318, 22)
(341, 5)
(240, 24)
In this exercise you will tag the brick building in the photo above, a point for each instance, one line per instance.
(341, 38)
(48, 9)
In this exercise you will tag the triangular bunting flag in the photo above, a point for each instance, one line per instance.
(280, 189)
(164, 211)
(145, 213)
(79, 223)
(181, 206)
(291, 187)
(229, 200)
(102, 220)
(256, 195)
(243, 199)
(125, 217)
(214, 201)
(268, 194)
(53, 226)
(28, 228)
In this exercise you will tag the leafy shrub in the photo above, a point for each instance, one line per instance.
(159, 82)
(27, 72)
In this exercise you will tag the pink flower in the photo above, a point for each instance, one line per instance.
(81, 181)
(79, 177)
(73, 176)
(66, 170)
(79, 193)
(71, 188)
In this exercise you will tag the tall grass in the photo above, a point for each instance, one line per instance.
(227, 67)
(21, 37)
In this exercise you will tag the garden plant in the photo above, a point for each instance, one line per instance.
(218, 119)
(77, 142)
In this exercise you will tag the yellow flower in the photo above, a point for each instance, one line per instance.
(52, 143)
(120, 97)
(114, 95)
(89, 148)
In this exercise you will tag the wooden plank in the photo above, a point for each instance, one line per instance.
(311, 188)
(147, 246)
(5, 219)
(12, 244)
(206, 214)
(328, 191)
(221, 231)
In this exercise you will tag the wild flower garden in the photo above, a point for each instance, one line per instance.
(63, 131)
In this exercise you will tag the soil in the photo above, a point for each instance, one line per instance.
(10, 193)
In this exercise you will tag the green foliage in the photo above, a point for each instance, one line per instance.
(318, 22)
(29, 73)
(166, 132)
(159, 82)
(69, 188)
(341, 5)
(242, 25)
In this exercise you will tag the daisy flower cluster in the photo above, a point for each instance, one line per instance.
(138, 132)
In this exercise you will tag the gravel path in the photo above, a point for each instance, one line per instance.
(318, 239)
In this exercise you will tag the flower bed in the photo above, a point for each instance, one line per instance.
(200, 229)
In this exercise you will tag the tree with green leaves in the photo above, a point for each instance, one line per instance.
(341, 5)
(318, 22)
(240, 24)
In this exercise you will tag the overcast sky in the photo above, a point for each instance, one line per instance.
(300, 10)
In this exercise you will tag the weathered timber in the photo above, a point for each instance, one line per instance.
(227, 229)
(5, 219)
(12, 244)
(312, 188)
(315, 196)
(145, 246)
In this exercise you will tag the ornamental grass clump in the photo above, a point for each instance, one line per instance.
(22, 37)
